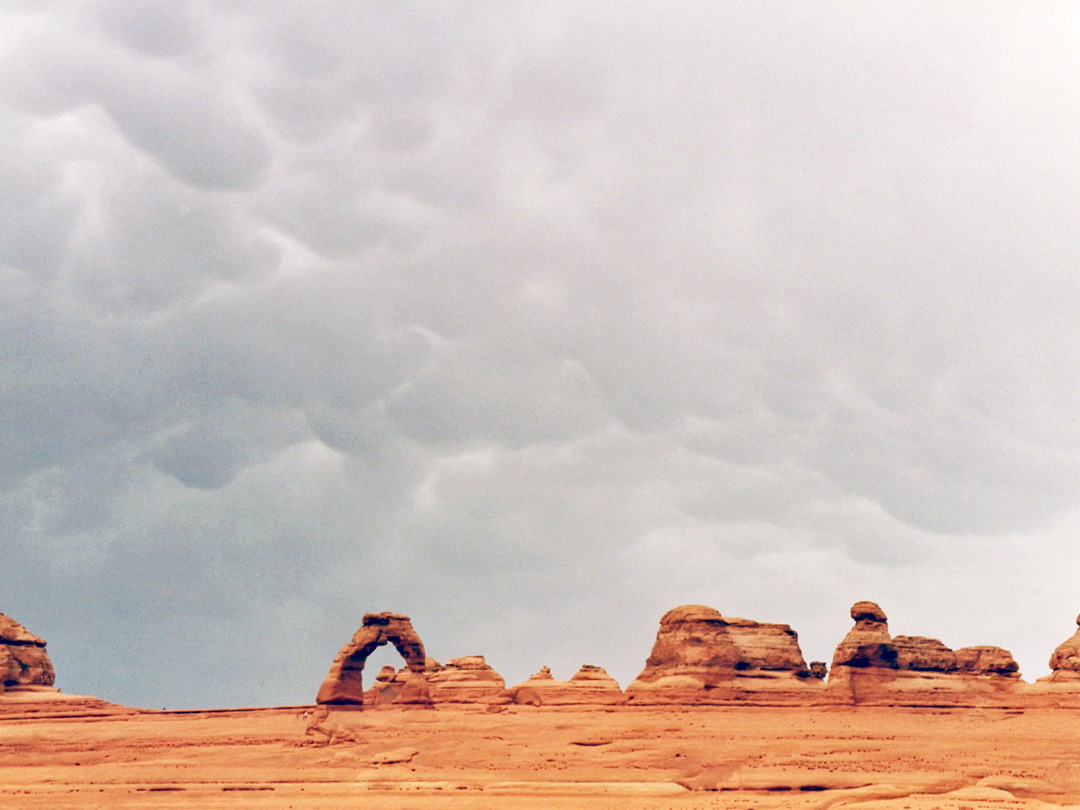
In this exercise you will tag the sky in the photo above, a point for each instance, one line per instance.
(531, 321)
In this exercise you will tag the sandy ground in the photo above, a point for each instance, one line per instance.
(71, 755)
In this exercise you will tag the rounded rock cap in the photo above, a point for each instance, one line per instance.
(1078, 620)
(691, 613)
(869, 611)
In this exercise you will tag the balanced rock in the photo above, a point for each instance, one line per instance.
(701, 656)
(344, 683)
(465, 680)
(872, 667)
(868, 644)
(24, 663)
(589, 686)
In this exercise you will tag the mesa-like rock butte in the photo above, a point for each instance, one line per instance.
(24, 663)
(701, 657)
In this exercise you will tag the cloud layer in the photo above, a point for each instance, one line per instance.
(531, 323)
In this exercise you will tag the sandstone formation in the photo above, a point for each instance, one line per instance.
(24, 663)
(871, 666)
(465, 680)
(1062, 686)
(344, 683)
(701, 656)
(1065, 660)
(589, 686)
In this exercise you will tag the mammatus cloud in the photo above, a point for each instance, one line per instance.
(530, 323)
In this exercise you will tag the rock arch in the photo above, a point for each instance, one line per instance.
(344, 683)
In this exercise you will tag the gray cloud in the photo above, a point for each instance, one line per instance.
(532, 323)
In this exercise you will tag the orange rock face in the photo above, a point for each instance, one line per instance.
(23, 659)
(701, 656)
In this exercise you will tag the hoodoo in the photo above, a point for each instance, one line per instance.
(24, 663)
(344, 683)
(701, 656)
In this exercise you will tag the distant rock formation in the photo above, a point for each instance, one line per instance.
(701, 656)
(1062, 686)
(465, 680)
(24, 663)
(589, 686)
(344, 683)
(870, 666)
(1065, 660)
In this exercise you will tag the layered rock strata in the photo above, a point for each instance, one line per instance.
(871, 666)
(465, 680)
(589, 686)
(24, 663)
(701, 656)
(344, 683)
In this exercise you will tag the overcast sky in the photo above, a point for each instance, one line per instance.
(531, 321)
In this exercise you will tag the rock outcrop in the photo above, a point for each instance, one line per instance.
(1062, 686)
(589, 686)
(1065, 660)
(465, 680)
(701, 656)
(344, 683)
(871, 666)
(24, 663)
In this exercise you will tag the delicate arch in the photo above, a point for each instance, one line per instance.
(344, 684)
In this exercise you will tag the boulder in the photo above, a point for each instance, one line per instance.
(700, 656)
(24, 663)
(344, 683)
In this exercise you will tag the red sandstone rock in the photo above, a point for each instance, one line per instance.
(23, 659)
(872, 667)
(986, 660)
(465, 680)
(344, 683)
(922, 654)
(701, 656)
(868, 644)
(589, 686)
(1067, 655)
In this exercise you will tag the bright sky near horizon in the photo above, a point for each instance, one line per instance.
(531, 321)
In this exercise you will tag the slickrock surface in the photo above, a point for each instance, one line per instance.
(457, 757)
(589, 686)
(23, 659)
(872, 667)
(701, 656)
(344, 683)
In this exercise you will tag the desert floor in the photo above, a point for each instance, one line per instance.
(61, 755)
